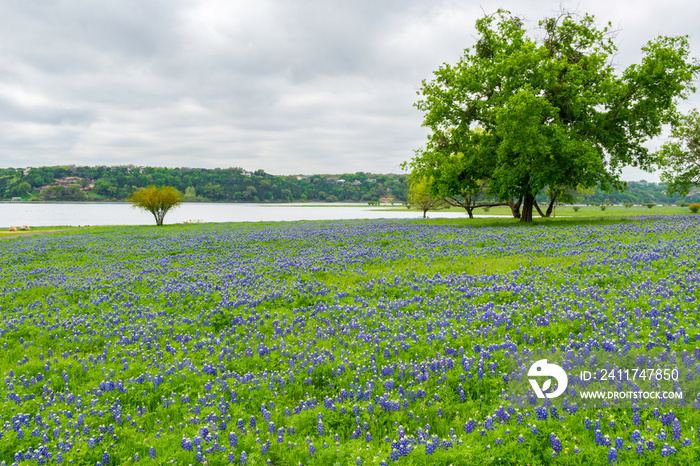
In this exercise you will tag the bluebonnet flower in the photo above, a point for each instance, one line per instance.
(599, 437)
(676, 429)
(469, 426)
(665, 450)
(555, 443)
(619, 443)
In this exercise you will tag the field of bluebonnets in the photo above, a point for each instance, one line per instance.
(364, 342)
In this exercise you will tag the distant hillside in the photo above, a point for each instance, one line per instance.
(72, 183)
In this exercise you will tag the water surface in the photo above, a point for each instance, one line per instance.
(43, 214)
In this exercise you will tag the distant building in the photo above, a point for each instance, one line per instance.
(341, 182)
(371, 180)
(356, 183)
(16, 199)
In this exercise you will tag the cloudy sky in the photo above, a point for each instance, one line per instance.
(289, 86)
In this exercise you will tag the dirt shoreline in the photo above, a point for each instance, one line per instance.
(12, 234)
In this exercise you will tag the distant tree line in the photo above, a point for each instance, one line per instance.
(102, 183)
(636, 193)
(74, 183)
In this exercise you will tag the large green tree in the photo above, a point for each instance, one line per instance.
(552, 108)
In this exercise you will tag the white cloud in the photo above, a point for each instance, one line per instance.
(293, 86)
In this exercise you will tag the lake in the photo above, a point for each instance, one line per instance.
(43, 214)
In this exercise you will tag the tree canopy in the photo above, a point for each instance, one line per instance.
(551, 109)
(681, 156)
(157, 200)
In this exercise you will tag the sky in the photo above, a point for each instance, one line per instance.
(287, 86)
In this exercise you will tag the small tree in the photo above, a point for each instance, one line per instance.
(157, 201)
(694, 207)
(419, 196)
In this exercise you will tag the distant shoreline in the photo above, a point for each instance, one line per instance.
(276, 204)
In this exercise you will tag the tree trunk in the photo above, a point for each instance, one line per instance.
(515, 207)
(159, 221)
(469, 211)
(550, 209)
(424, 212)
(539, 211)
(526, 215)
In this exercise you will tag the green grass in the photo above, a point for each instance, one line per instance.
(109, 301)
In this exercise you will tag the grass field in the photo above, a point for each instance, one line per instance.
(347, 342)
